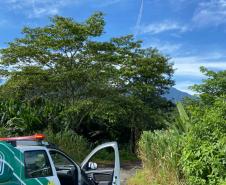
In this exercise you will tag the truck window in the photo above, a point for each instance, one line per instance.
(66, 170)
(60, 160)
(37, 164)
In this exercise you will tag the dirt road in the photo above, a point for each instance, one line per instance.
(128, 170)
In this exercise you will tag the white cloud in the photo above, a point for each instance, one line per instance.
(38, 8)
(207, 13)
(190, 66)
(164, 26)
(211, 12)
(164, 47)
(184, 86)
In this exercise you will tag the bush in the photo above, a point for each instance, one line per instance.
(160, 154)
(71, 143)
(204, 153)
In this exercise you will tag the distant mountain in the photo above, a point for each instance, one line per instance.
(176, 95)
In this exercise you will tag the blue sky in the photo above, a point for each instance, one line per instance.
(191, 32)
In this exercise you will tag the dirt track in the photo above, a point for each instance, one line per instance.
(128, 170)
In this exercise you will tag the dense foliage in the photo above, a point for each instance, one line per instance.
(204, 152)
(71, 143)
(65, 77)
(21, 117)
(203, 157)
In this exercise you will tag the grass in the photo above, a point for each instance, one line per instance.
(158, 177)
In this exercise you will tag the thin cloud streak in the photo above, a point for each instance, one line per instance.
(139, 18)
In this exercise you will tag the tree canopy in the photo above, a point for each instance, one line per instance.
(213, 86)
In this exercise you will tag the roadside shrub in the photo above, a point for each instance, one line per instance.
(71, 143)
(204, 153)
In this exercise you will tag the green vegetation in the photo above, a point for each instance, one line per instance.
(204, 151)
(212, 87)
(192, 151)
(74, 145)
(61, 76)
(160, 152)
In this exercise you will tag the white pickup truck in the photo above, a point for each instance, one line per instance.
(31, 161)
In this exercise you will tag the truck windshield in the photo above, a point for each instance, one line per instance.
(37, 164)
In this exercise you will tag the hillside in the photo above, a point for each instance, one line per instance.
(176, 95)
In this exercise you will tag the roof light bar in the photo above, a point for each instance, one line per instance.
(32, 138)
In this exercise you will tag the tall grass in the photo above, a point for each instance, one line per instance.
(159, 149)
(160, 154)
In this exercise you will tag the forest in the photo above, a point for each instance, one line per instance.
(64, 80)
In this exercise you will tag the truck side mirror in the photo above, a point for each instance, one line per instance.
(92, 166)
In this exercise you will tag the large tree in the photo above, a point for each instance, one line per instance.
(104, 86)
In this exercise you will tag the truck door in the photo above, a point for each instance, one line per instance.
(67, 171)
(100, 175)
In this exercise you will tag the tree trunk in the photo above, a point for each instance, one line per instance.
(132, 140)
